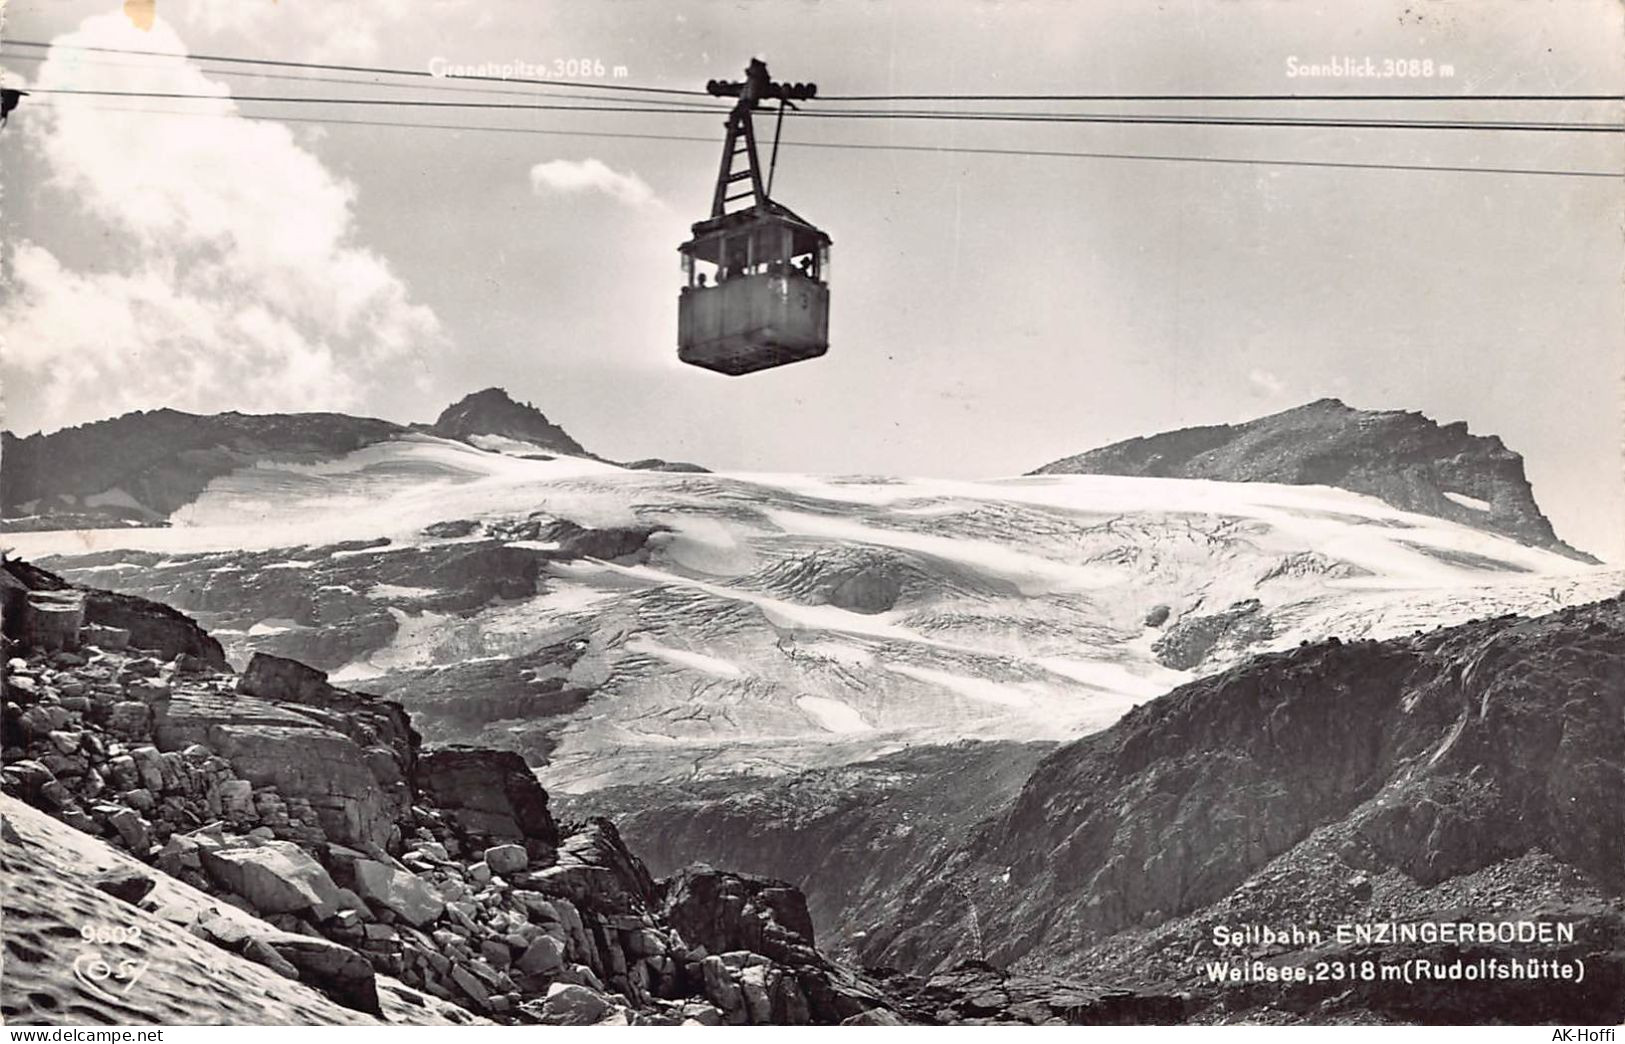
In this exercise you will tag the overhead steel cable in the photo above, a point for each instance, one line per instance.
(1220, 97)
(1220, 120)
(1352, 123)
(867, 147)
(415, 103)
(936, 97)
(440, 84)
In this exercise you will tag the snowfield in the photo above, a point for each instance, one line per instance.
(777, 621)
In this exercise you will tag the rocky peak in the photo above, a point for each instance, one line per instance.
(1401, 457)
(494, 412)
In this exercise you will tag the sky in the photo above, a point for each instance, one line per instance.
(989, 313)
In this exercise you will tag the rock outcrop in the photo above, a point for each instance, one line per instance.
(488, 796)
(1402, 458)
(657, 464)
(492, 412)
(137, 621)
(1194, 637)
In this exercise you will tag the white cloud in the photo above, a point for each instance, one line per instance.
(228, 273)
(326, 32)
(591, 175)
(1266, 382)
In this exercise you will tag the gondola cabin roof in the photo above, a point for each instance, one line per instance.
(708, 235)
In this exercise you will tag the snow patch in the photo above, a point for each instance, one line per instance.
(685, 658)
(1142, 684)
(1468, 502)
(274, 625)
(980, 689)
(833, 715)
(401, 592)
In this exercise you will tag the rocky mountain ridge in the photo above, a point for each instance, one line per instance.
(618, 626)
(142, 467)
(1402, 458)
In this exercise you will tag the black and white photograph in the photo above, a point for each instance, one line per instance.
(812, 513)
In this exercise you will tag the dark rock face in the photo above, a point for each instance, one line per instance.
(724, 911)
(1403, 459)
(1194, 636)
(844, 837)
(161, 460)
(487, 794)
(1295, 779)
(151, 625)
(477, 702)
(656, 464)
(613, 542)
(492, 412)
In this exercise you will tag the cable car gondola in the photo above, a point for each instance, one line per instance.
(757, 291)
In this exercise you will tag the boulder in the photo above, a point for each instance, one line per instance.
(275, 877)
(128, 885)
(571, 1005)
(279, 678)
(338, 971)
(474, 989)
(487, 795)
(51, 619)
(370, 721)
(131, 827)
(404, 894)
(545, 956)
(507, 859)
(724, 911)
